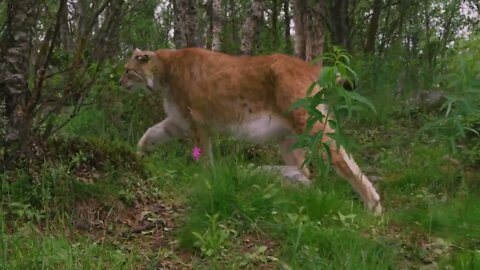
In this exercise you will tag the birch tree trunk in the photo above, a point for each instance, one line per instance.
(299, 19)
(14, 66)
(217, 25)
(179, 38)
(251, 26)
(185, 23)
(309, 29)
(287, 19)
(65, 34)
(314, 43)
(191, 24)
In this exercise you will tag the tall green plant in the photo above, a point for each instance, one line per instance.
(462, 80)
(337, 100)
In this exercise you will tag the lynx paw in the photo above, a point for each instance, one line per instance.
(142, 148)
(375, 208)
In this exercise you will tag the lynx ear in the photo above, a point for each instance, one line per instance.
(143, 58)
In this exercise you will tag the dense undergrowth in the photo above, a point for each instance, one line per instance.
(90, 203)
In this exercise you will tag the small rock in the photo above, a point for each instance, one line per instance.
(430, 100)
(440, 243)
(376, 178)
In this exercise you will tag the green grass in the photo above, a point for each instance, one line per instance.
(229, 217)
(28, 248)
(316, 226)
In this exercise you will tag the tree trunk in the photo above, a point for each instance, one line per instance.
(217, 25)
(286, 10)
(373, 27)
(179, 28)
(299, 19)
(275, 23)
(314, 43)
(14, 66)
(340, 22)
(82, 11)
(185, 23)
(65, 34)
(251, 26)
(191, 24)
(309, 29)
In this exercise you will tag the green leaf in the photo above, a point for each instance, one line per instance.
(311, 88)
(327, 76)
(299, 104)
(352, 72)
(261, 249)
(361, 99)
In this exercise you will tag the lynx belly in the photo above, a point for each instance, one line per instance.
(261, 128)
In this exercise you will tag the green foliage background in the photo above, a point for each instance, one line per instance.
(425, 161)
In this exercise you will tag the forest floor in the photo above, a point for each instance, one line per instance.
(90, 203)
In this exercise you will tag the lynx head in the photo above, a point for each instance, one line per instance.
(139, 71)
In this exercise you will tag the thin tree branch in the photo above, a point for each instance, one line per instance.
(60, 102)
(38, 88)
(97, 13)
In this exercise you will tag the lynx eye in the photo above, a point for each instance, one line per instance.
(126, 71)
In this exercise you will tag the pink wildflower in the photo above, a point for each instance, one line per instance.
(196, 152)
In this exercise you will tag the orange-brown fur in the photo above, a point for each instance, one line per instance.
(207, 92)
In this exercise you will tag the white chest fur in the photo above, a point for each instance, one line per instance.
(172, 111)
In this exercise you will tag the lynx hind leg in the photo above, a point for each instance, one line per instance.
(293, 157)
(344, 165)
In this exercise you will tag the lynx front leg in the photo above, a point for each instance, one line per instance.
(160, 133)
(202, 140)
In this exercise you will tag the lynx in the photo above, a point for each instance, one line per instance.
(247, 97)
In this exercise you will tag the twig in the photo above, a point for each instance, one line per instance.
(56, 73)
(38, 88)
